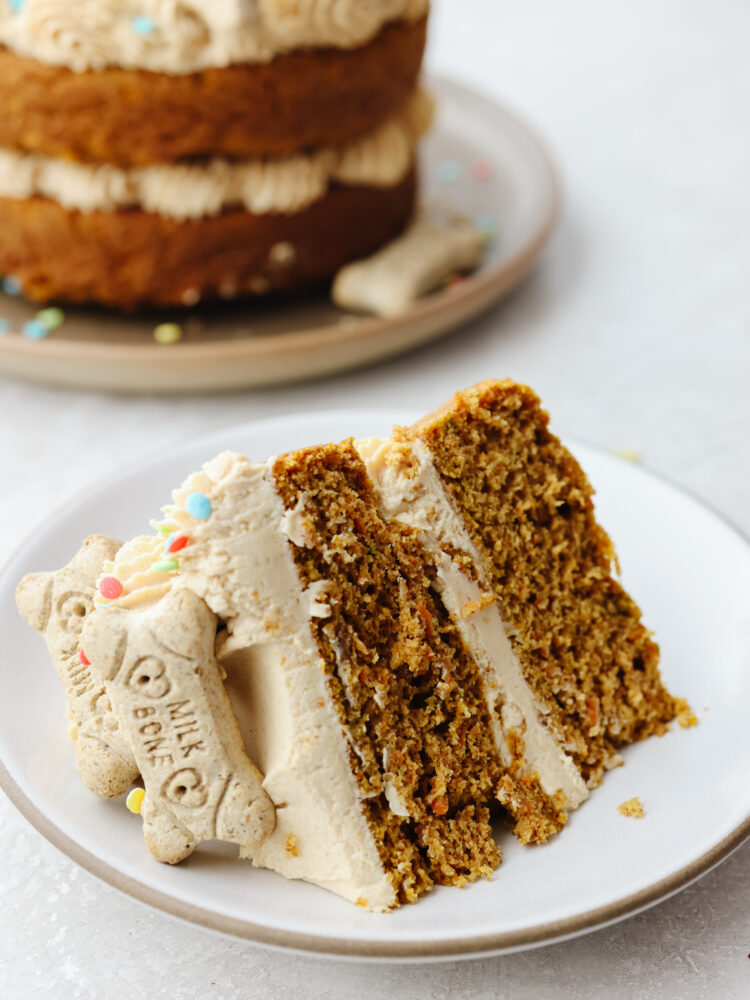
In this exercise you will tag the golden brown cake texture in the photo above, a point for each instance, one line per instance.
(294, 105)
(588, 658)
(300, 100)
(133, 258)
(406, 688)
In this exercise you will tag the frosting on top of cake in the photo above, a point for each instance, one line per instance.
(185, 36)
(188, 191)
(238, 559)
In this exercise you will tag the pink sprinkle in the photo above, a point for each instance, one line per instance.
(111, 588)
(483, 170)
(178, 543)
(83, 658)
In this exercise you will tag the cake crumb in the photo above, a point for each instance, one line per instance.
(471, 607)
(685, 715)
(290, 847)
(632, 808)
(361, 901)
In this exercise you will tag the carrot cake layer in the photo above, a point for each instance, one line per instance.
(129, 117)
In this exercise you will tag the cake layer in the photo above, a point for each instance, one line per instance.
(133, 118)
(586, 656)
(287, 184)
(132, 258)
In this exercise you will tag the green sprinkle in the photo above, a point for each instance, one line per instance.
(162, 526)
(168, 333)
(51, 318)
(165, 566)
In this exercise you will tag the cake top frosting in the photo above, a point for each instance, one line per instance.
(185, 36)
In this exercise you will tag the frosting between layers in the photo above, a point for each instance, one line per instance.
(190, 191)
(185, 36)
(416, 497)
(239, 562)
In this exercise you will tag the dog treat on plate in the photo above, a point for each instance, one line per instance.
(165, 683)
(430, 251)
(56, 604)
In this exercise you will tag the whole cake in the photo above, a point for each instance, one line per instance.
(349, 658)
(160, 153)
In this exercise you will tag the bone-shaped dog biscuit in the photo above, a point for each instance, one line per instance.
(165, 683)
(57, 604)
(428, 252)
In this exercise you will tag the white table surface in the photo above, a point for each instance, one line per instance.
(636, 333)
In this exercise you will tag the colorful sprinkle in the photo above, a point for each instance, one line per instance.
(487, 224)
(483, 170)
(111, 588)
(135, 798)
(163, 527)
(165, 566)
(83, 658)
(175, 544)
(143, 25)
(4, 326)
(12, 285)
(449, 171)
(34, 330)
(168, 333)
(52, 318)
(16, 6)
(198, 505)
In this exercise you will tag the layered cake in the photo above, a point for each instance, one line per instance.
(156, 153)
(386, 643)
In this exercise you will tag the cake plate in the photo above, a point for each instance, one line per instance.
(479, 159)
(687, 568)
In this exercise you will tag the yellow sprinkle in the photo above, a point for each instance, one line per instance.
(72, 732)
(629, 454)
(290, 847)
(632, 808)
(361, 901)
(135, 798)
(168, 333)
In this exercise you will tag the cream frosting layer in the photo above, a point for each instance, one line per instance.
(239, 562)
(410, 491)
(185, 36)
(190, 191)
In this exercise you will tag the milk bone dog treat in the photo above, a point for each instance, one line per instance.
(417, 633)
(158, 153)
(162, 678)
(56, 605)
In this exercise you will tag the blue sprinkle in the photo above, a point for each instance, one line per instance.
(34, 330)
(198, 505)
(4, 325)
(143, 25)
(487, 224)
(12, 285)
(449, 171)
(170, 538)
(16, 5)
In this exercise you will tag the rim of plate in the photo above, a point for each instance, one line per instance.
(338, 947)
(477, 293)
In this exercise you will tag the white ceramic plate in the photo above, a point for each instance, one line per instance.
(689, 570)
(289, 339)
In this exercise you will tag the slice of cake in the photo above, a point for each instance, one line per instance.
(159, 153)
(413, 633)
(525, 570)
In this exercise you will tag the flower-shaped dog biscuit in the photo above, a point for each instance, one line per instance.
(166, 685)
(57, 604)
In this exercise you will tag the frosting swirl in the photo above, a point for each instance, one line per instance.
(186, 36)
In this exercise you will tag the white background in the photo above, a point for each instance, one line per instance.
(636, 333)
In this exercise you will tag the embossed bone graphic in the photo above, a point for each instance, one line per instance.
(165, 684)
(57, 604)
